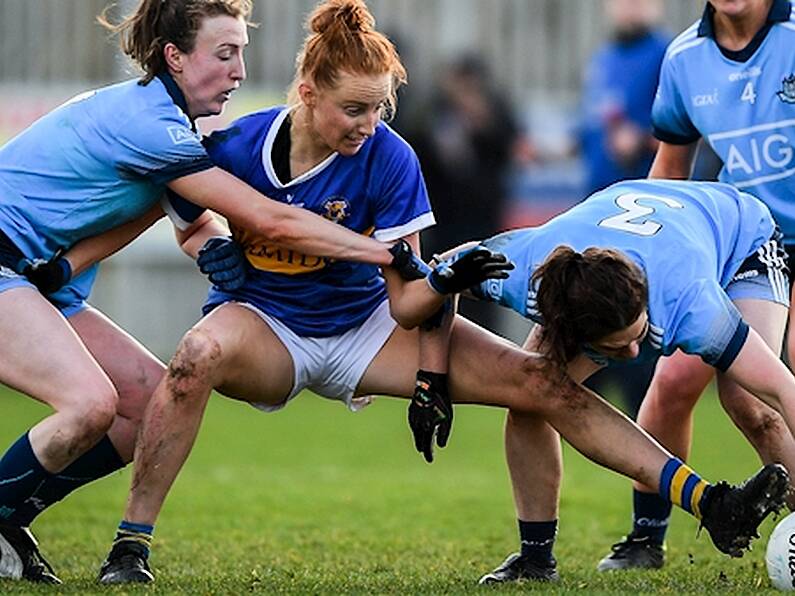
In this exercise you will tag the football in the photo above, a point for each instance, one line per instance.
(780, 555)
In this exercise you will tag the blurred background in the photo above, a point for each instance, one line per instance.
(517, 109)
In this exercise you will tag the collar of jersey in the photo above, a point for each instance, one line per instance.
(267, 161)
(176, 95)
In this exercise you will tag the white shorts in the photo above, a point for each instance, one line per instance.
(331, 366)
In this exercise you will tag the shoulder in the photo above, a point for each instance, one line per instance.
(685, 42)
(243, 131)
(387, 144)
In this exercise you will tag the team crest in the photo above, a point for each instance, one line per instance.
(787, 93)
(336, 209)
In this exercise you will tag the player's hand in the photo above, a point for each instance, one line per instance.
(48, 276)
(406, 263)
(469, 268)
(222, 260)
(430, 413)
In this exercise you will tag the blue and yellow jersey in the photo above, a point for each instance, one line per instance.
(689, 238)
(742, 103)
(101, 159)
(379, 191)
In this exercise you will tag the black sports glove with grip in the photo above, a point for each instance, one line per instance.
(48, 276)
(406, 263)
(469, 268)
(222, 260)
(430, 413)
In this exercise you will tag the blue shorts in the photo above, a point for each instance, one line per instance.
(764, 275)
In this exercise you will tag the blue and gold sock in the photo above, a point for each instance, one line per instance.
(683, 487)
(130, 532)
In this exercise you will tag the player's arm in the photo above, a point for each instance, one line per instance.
(673, 161)
(49, 276)
(283, 224)
(758, 370)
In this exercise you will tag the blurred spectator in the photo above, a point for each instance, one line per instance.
(465, 136)
(617, 142)
(620, 82)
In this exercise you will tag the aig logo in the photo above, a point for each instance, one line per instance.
(758, 153)
(181, 134)
(708, 99)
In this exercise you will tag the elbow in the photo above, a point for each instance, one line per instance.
(405, 319)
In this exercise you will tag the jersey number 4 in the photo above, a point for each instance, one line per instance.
(635, 218)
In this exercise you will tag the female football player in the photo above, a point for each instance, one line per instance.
(729, 80)
(642, 268)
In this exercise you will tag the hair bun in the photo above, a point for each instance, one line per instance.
(352, 14)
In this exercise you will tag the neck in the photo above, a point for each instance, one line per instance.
(735, 31)
(306, 147)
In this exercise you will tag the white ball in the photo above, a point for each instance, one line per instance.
(780, 555)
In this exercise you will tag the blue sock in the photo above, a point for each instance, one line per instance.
(538, 539)
(21, 474)
(650, 516)
(130, 532)
(99, 461)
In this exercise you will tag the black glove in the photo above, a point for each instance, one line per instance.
(405, 262)
(222, 260)
(430, 413)
(469, 268)
(48, 276)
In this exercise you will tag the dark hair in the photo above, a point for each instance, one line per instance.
(144, 34)
(583, 297)
(342, 37)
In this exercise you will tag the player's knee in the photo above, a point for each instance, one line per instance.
(194, 364)
(672, 392)
(762, 425)
(94, 415)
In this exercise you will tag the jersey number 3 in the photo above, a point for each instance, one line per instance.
(635, 218)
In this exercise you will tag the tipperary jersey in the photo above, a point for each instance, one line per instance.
(742, 103)
(378, 191)
(100, 160)
(689, 238)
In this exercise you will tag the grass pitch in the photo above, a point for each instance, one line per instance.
(316, 500)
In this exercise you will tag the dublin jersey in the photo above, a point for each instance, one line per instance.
(689, 238)
(378, 191)
(100, 160)
(742, 104)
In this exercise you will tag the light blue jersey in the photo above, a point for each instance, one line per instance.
(100, 160)
(689, 238)
(379, 191)
(742, 103)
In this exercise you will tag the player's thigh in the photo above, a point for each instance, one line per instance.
(250, 362)
(394, 369)
(768, 319)
(490, 370)
(41, 354)
(134, 370)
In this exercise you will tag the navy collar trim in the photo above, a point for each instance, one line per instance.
(779, 12)
(176, 95)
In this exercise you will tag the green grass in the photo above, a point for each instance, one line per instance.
(317, 500)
